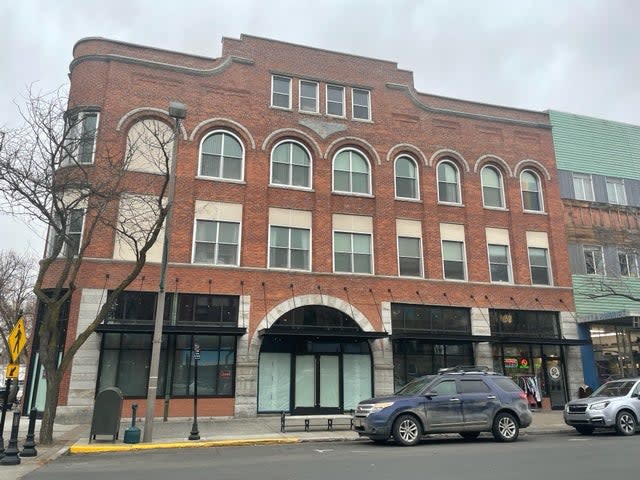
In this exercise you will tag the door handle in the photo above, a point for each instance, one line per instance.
(491, 397)
(454, 399)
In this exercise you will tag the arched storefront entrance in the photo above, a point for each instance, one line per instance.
(314, 359)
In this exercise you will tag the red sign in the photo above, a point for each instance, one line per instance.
(510, 362)
(225, 373)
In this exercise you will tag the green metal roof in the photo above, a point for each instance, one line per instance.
(583, 285)
(592, 145)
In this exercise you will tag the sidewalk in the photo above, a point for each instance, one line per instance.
(214, 432)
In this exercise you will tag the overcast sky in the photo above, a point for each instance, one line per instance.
(579, 56)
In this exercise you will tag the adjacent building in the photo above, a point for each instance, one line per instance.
(336, 233)
(599, 168)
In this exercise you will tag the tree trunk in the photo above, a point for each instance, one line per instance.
(50, 407)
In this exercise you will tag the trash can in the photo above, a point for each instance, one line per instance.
(584, 391)
(132, 434)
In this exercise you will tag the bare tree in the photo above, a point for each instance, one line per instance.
(50, 173)
(17, 274)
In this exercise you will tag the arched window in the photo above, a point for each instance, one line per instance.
(531, 191)
(149, 144)
(221, 156)
(291, 165)
(492, 190)
(351, 172)
(448, 182)
(406, 178)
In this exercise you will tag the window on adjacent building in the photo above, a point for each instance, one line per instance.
(308, 96)
(628, 264)
(280, 92)
(448, 182)
(593, 259)
(335, 100)
(361, 100)
(492, 190)
(499, 264)
(72, 233)
(615, 191)
(453, 260)
(582, 186)
(352, 252)
(539, 265)
(406, 178)
(221, 156)
(531, 191)
(291, 165)
(289, 248)
(409, 257)
(351, 172)
(80, 140)
(216, 242)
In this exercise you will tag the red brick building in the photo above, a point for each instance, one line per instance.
(335, 234)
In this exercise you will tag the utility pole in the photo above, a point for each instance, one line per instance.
(177, 111)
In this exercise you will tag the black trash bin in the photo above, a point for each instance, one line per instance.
(584, 391)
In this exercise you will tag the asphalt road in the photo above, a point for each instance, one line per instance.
(532, 457)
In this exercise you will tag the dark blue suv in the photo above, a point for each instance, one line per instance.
(464, 400)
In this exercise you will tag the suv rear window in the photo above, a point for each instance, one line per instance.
(507, 384)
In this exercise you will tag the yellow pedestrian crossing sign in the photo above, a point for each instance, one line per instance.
(12, 370)
(17, 340)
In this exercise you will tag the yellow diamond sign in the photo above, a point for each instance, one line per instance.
(12, 370)
(17, 340)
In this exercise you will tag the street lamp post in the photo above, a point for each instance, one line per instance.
(195, 433)
(177, 111)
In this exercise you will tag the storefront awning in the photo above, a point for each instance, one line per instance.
(173, 329)
(317, 332)
(461, 337)
(627, 316)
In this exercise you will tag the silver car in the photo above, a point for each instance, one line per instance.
(616, 404)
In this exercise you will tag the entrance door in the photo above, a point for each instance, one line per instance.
(556, 383)
(317, 384)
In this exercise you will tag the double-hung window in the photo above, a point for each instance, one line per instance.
(351, 173)
(593, 259)
(308, 96)
(72, 233)
(406, 178)
(216, 242)
(453, 260)
(531, 192)
(499, 263)
(409, 257)
(79, 144)
(335, 100)
(582, 186)
(352, 252)
(448, 183)
(615, 191)
(291, 165)
(280, 92)
(289, 248)
(539, 265)
(628, 264)
(492, 191)
(361, 100)
(221, 156)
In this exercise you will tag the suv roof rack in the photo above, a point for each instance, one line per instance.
(462, 369)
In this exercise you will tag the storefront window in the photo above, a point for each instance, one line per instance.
(406, 317)
(524, 323)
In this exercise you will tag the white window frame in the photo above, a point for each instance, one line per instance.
(464, 261)
(73, 144)
(242, 159)
(342, 101)
(273, 92)
(419, 257)
(619, 190)
(290, 184)
(586, 182)
(548, 266)
(415, 179)
(540, 195)
(316, 97)
(289, 249)
(595, 252)
(350, 191)
(458, 182)
(354, 104)
(217, 243)
(67, 232)
(509, 267)
(501, 187)
(631, 261)
(352, 272)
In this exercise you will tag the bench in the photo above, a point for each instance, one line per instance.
(331, 421)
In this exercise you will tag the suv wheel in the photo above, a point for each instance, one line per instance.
(625, 423)
(407, 430)
(505, 427)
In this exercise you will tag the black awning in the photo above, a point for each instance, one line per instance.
(462, 337)
(172, 329)
(317, 332)
(541, 341)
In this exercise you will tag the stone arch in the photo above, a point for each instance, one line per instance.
(148, 111)
(345, 142)
(401, 148)
(489, 158)
(224, 122)
(534, 164)
(447, 152)
(293, 134)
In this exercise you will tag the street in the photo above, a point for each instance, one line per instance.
(560, 456)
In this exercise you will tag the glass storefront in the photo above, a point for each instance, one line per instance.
(616, 350)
